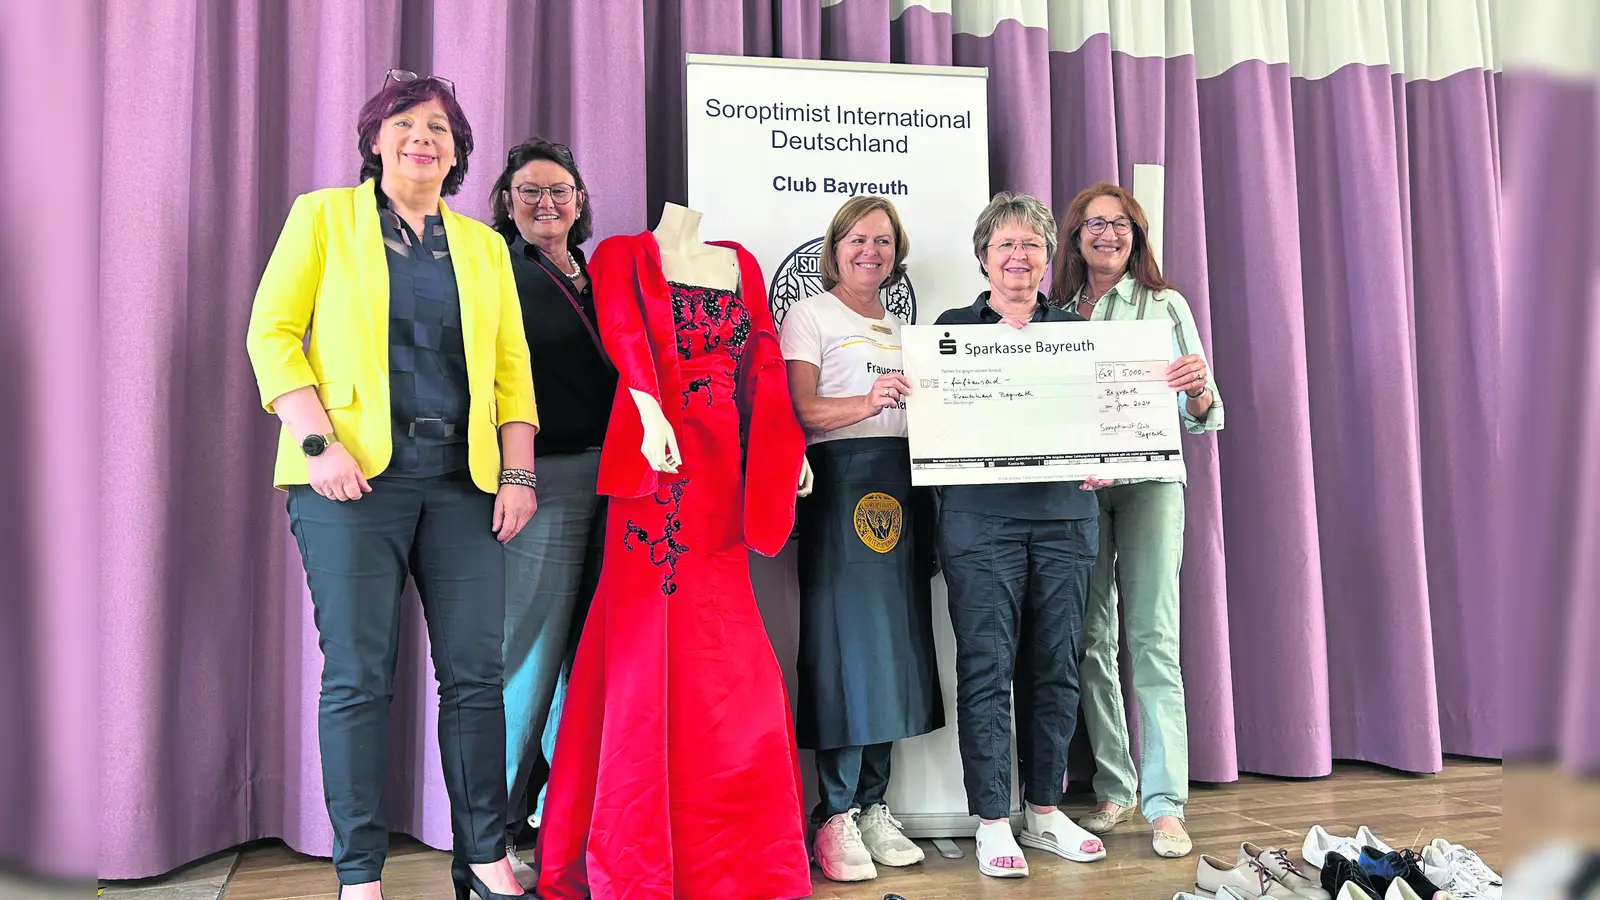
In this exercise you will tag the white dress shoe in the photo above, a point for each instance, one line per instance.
(1248, 877)
(1283, 871)
(1353, 891)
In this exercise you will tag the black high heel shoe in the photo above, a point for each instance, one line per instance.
(468, 883)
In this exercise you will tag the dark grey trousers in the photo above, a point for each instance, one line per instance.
(1017, 592)
(357, 555)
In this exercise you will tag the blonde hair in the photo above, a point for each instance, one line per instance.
(853, 211)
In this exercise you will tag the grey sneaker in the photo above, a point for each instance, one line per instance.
(880, 831)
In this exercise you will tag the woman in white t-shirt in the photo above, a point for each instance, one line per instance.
(867, 671)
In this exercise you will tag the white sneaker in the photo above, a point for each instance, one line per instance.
(1249, 877)
(1319, 843)
(1283, 871)
(1466, 862)
(1365, 837)
(840, 852)
(1459, 871)
(880, 832)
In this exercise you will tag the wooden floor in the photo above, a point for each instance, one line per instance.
(1462, 804)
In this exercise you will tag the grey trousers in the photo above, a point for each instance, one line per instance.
(357, 554)
(552, 568)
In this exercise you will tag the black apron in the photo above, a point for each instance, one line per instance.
(867, 669)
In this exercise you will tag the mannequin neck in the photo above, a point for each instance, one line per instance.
(678, 233)
(686, 259)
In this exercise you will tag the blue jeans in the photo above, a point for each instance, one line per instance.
(552, 568)
(851, 778)
(1017, 589)
(1141, 550)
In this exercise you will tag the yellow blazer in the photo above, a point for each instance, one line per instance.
(329, 273)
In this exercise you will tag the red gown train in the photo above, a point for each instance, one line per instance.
(675, 773)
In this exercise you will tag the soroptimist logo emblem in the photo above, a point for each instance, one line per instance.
(800, 276)
(878, 521)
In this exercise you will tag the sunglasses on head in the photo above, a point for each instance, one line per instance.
(403, 75)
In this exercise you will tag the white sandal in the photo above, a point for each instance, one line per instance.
(995, 840)
(1056, 833)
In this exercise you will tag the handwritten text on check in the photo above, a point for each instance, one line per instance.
(1055, 401)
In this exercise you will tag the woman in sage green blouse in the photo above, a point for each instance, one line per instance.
(1106, 271)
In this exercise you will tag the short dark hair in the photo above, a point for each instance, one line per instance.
(399, 96)
(536, 148)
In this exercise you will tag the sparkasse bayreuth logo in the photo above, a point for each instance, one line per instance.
(800, 276)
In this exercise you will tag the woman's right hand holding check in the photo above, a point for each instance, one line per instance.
(887, 391)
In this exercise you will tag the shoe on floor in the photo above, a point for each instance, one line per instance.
(1223, 893)
(1340, 871)
(995, 841)
(840, 852)
(1247, 876)
(1319, 843)
(1366, 837)
(887, 844)
(1456, 868)
(1398, 865)
(1099, 822)
(1171, 846)
(1055, 833)
(1285, 872)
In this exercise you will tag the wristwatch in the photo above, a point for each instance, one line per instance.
(315, 444)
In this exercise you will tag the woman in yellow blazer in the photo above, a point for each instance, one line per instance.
(407, 448)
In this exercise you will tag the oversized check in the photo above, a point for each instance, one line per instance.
(1056, 401)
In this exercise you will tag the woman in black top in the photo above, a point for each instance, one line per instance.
(541, 205)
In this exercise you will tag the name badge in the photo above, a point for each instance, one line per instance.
(883, 329)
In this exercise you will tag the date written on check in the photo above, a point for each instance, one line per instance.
(1055, 401)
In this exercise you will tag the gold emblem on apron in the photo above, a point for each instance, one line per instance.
(883, 329)
(878, 520)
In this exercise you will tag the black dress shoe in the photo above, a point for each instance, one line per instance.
(1402, 864)
(468, 883)
(1337, 870)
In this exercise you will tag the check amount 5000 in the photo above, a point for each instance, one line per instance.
(1051, 402)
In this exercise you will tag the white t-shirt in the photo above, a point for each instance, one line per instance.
(851, 351)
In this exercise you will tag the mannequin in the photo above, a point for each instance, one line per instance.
(686, 259)
(674, 614)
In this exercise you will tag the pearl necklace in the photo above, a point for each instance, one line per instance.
(573, 266)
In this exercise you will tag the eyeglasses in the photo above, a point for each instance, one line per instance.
(1097, 225)
(560, 194)
(403, 75)
(1029, 248)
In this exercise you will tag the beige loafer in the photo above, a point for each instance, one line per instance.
(1171, 846)
(1101, 822)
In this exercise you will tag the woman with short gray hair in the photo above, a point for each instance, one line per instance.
(1017, 560)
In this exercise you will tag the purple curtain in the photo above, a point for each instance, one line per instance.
(1549, 498)
(1335, 232)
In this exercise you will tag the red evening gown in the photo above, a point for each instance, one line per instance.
(675, 773)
